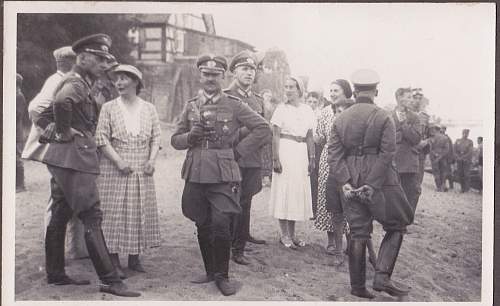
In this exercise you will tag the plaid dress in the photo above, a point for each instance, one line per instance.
(130, 214)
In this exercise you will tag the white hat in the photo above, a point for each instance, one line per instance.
(130, 69)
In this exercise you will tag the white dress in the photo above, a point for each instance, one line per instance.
(291, 189)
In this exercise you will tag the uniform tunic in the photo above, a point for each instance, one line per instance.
(463, 151)
(130, 220)
(291, 190)
(365, 125)
(439, 158)
(212, 175)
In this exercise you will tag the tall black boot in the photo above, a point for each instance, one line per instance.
(386, 260)
(207, 254)
(135, 264)
(99, 254)
(222, 251)
(357, 268)
(54, 258)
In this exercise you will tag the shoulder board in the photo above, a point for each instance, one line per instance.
(257, 95)
(226, 90)
(233, 97)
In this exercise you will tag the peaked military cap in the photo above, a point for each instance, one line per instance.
(365, 79)
(244, 58)
(97, 44)
(62, 53)
(211, 63)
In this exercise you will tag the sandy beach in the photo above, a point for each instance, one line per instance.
(440, 258)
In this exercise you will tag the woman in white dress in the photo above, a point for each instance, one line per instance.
(293, 159)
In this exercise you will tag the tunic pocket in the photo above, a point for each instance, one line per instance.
(229, 169)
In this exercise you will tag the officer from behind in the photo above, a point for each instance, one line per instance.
(73, 162)
(463, 152)
(209, 129)
(361, 153)
(243, 65)
(407, 138)
(438, 155)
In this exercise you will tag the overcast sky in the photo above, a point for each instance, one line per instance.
(447, 49)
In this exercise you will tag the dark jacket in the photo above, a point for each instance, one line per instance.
(73, 108)
(408, 136)
(439, 147)
(216, 163)
(464, 149)
(256, 103)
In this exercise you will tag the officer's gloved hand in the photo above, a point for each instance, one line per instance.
(348, 191)
(196, 133)
(365, 194)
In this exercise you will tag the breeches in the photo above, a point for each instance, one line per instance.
(74, 192)
(212, 207)
(411, 187)
(389, 207)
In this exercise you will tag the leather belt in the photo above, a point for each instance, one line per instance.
(360, 151)
(293, 137)
(210, 145)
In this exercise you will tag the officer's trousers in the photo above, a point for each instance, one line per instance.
(463, 171)
(75, 192)
(389, 207)
(410, 185)
(251, 184)
(420, 172)
(439, 171)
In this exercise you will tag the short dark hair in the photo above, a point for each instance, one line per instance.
(402, 90)
(313, 94)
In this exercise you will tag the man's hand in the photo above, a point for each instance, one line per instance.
(365, 194)
(149, 167)
(277, 166)
(74, 132)
(124, 167)
(348, 191)
(196, 133)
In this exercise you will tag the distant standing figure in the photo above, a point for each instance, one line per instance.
(21, 110)
(293, 157)
(450, 160)
(463, 152)
(128, 135)
(438, 156)
(408, 136)
(314, 101)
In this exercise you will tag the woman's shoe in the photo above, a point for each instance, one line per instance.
(298, 242)
(288, 243)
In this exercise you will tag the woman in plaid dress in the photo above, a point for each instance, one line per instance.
(128, 134)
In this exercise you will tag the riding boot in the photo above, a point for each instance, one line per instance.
(222, 251)
(99, 254)
(386, 260)
(338, 258)
(135, 264)
(54, 258)
(115, 258)
(357, 268)
(207, 254)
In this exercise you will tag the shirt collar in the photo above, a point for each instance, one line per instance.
(364, 100)
(84, 75)
(212, 99)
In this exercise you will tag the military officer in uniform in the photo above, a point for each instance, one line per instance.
(463, 151)
(73, 162)
(450, 160)
(407, 138)
(423, 147)
(361, 153)
(243, 65)
(209, 129)
(439, 150)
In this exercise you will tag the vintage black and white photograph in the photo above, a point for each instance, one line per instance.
(318, 152)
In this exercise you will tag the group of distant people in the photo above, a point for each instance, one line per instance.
(343, 164)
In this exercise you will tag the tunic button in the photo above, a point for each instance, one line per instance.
(85, 146)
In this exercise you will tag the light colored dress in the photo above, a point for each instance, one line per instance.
(291, 190)
(130, 213)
